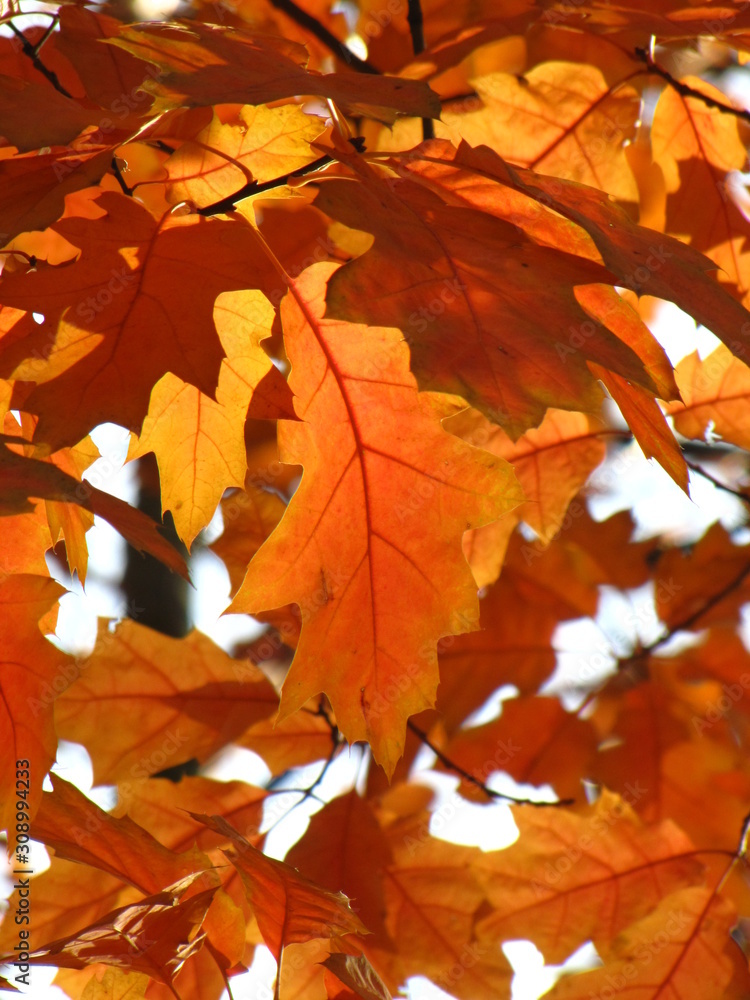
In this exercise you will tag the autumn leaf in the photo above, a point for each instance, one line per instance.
(388, 461)
(154, 936)
(653, 264)
(682, 949)
(78, 830)
(128, 315)
(698, 148)
(199, 441)
(340, 834)
(714, 391)
(183, 697)
(117, 985)
(535, 741)
(221, 157)
(32, 669)
(231, 66)
(551, 463)
(464, 288)
(25, 477)
(288, 907)
(601, 854)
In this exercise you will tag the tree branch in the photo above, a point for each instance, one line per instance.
(120, 179)
(311, 24)
(740, 494)
(228, 204)
(686, 91)
(468, 776)
(689, 620)
(416, 27)
(32, 52)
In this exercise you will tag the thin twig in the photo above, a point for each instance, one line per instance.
(416, 27)
(228, 204)
(689, 620)
(468, 776)
(309, 792)
(120, 179)
(686, 91)
(740, 494)
(311, 24)
(30, 51)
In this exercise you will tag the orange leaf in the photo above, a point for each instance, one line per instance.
(257, 144)
(129, 314)
(234, 66)
(199, 442)
(552, 462)
(154, 936)
(343, 833)
(601, 860)
(29, 477)
(697, 147)
(648, 262)
(288, 907)
(183, 697)
(560, 118)
(681, 951)
(375, 594)
(649, 427)
(488, 313)
(31, 669)
(535, 741)
(78, 830)
(715, 391)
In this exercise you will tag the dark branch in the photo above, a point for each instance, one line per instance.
(689, 620)
(32, 52)
(416, 27)
(686, 91)
(740, 494)
(309, 23)
(468, 776)
(120, 179)
(228, 204)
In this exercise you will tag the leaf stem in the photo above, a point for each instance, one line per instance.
(32, 52)
(311, 24)
(686, 91)
(416, 27)
(228, 204)
(468, 776)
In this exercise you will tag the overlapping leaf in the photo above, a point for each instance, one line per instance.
(173, 698)
(137, 302)
(31, 669)
(207, 64)
(464, 288)
(288, 907)
(375, 595)
(199, 442)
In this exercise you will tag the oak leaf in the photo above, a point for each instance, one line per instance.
(199, 442)
(289, 908)
(715, 392)
(375, 457)
(601, 854)
(129, 313)
(234, 66)
(154, 936)
(31, 671)
(169, 696)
